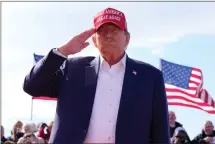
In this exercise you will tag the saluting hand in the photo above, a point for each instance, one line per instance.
(77, 43)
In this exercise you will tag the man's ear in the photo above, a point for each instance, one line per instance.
(127, 39)
(94, 40)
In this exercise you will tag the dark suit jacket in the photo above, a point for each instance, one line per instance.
(143, 111)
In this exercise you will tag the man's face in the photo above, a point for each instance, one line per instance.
(172, 117)
(19, 125)
(109, 38)
(208, 127)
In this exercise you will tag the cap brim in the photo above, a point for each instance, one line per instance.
(106, 23)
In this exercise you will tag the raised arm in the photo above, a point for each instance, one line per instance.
(44, 77)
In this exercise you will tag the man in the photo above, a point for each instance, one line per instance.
(180, 136)
(174, 124)
(29, 136)
(207, 136)
(107, 99)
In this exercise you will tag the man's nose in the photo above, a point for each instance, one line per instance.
(108, 34)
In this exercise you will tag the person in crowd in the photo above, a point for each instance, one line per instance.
(29, 136)
(45, 131)
(42, 131)
(3, 139)
(180, 136)
(207, 136)
(9, 142)
(111, 98)
(174, 124)
(49, 130)
(16, 132)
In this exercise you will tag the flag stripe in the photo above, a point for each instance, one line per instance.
(196, 83)
(196, 69)
(193, 88)
(196, 73)
(168, 91)
(195, 101)
(43, 98)
(212, 103)
(196, 80)
(172, 88)
(196, 76)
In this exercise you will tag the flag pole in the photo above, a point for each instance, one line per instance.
(31, 108)
(32, 98)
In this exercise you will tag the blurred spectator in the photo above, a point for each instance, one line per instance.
(29, 136)
(41, 132)
(174, 124)
(49, 130)
(45, 131)
(16, 132)
(180, 136)
(3, 139)
(207, 136)
(9, 142)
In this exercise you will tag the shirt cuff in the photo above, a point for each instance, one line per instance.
(58, 53)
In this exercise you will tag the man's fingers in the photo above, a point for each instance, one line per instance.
(86, 34)
(84, 45)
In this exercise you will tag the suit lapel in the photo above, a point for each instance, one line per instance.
(90, 83)
(128, 93)
(91, 73)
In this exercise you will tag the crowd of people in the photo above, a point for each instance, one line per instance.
(179, 135)
(29, 133)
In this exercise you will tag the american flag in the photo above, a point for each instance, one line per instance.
(36, 59)
(184, 87)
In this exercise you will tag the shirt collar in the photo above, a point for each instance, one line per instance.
(122, 62)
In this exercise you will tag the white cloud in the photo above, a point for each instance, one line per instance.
(156, 51)
(154, 42)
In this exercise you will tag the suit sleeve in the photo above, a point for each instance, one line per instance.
(160, 132)
(43, 79)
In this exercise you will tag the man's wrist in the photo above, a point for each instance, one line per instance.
(56, 51)
(60, 50)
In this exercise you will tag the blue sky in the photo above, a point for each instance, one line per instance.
(180, 32)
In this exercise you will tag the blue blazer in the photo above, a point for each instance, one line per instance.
(143, 112)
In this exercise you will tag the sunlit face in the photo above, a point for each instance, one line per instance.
(109, 38)
(172, 117)
(19, 125)
(208, 127)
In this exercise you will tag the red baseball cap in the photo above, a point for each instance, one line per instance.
(110, 15)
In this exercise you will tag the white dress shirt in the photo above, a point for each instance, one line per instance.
(106, 103)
